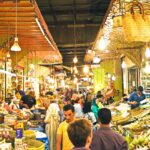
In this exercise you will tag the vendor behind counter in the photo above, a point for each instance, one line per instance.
(136, 97)
(28, 101)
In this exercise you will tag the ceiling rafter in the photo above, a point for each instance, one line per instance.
(88, 16)
(28, 31)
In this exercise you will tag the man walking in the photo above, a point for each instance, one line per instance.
(63, 142)
(104, 138)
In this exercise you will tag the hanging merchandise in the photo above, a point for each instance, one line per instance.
(136, 25)
(117, 18)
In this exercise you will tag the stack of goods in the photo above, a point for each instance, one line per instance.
(7, 134)
(141, 142)
(139, 112)
(10, 119)
(134, 125)
(120, 120)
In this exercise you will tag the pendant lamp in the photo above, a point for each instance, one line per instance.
(75, 59)
(15, 47)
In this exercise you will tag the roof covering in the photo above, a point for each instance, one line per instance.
(32, 31)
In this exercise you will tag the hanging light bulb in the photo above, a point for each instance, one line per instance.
(15, 47)
(123, 65)
(8, 55)
(32, 66)
(101, 44)
(71, 69)
(109, 75)
(89, 51)
(147, 68)
(74, 68)
(113, 77)
(86, 69)
(91, 74)
(75, 80)
(96, 60)
(16, 80)
(75, 59)
(76, 71)
(147, 52)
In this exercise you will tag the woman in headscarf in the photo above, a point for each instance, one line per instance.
(52, 121)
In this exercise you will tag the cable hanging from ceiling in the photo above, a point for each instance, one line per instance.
(75, 59)
(15, 46)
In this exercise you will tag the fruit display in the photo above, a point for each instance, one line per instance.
(139, 112)
(119, 120)
(134, 125)
(140, 142)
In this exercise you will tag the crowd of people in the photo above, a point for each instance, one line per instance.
(75, 125)
(80, 121)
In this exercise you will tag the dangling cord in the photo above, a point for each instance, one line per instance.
(16, 19)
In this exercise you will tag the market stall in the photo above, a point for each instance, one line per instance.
(133, 124)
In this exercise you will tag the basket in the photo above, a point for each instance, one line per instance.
(29, 134)
(136, 25)
(35, 145)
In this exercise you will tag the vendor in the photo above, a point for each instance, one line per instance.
(19, 93)
(28, 101)
(136, 97)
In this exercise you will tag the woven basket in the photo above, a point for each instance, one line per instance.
(29, 134)
(136, 25)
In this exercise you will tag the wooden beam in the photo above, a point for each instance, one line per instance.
(72, 53)
(4, 3)
(23, 23)
(19, 14)
(19, 30)
(53, 12)
(21, 33)
(19, 27)
(19, 9)
(81, 25)
(70, 12)
(69, 23)
(72, 45)
(19, 19)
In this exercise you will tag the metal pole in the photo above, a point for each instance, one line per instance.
(5, 78)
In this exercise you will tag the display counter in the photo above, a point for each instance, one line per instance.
(133, 124)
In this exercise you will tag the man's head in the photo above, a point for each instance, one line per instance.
(79, 133)
(19, 87)
(32, 94)
(98, 95)
(104, 116)
(140, 90)
(69, 112)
